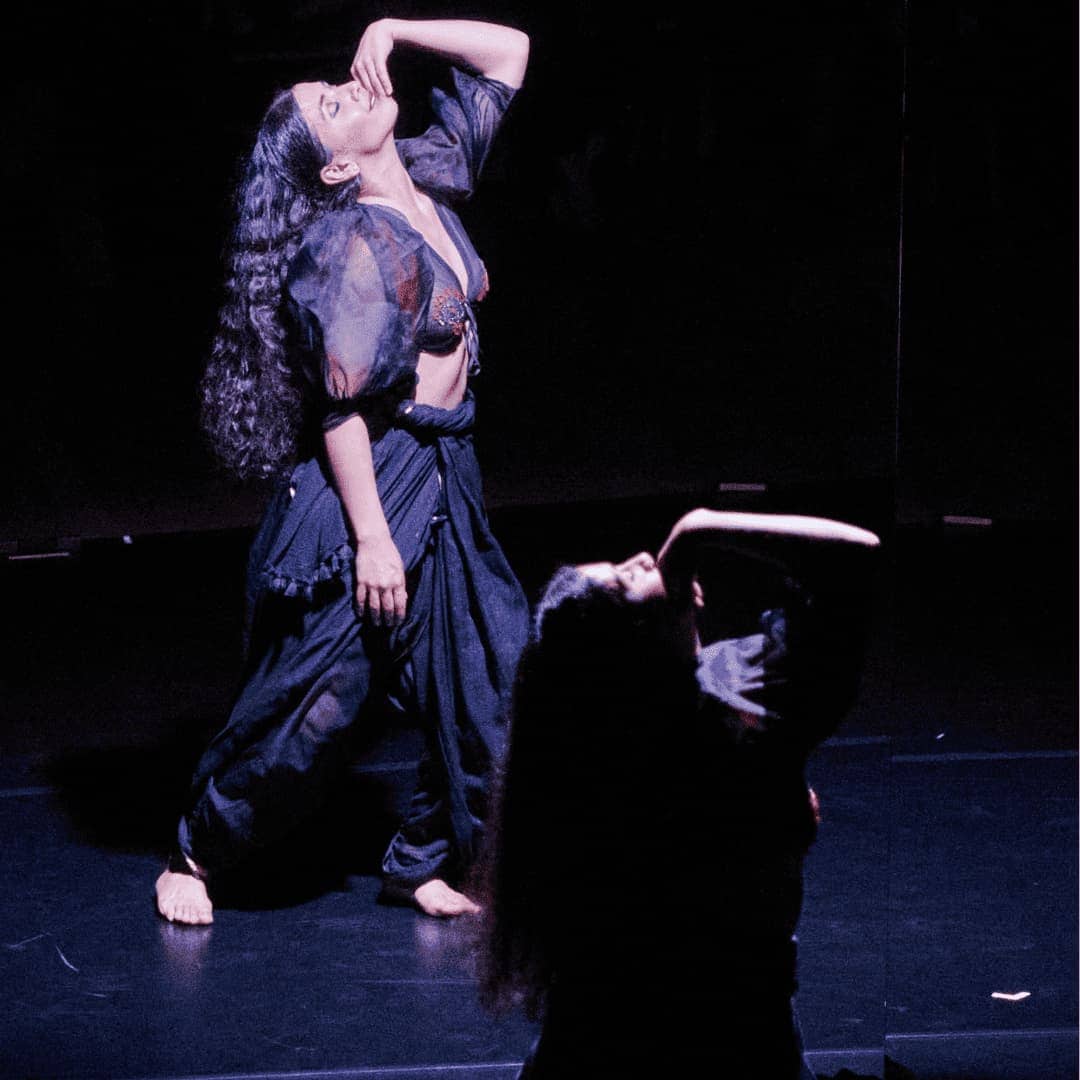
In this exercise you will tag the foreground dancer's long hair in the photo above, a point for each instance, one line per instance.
(595, 685)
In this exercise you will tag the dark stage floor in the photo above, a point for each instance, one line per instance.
(945, 870)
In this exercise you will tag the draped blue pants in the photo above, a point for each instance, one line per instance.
(314, 667)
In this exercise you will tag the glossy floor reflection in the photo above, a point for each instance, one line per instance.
(97, 986)
(945, 869)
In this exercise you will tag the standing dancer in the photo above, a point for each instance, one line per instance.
(342, 363)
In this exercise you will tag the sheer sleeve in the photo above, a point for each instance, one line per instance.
(446, 160)
(357, 290)
(797, 677)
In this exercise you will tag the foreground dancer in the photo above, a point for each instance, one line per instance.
(653, 816)
(342, 362)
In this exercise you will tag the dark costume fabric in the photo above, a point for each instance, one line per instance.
(688, 968)
(368, 294)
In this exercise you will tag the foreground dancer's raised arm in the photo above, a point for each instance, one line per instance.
(342, 368)
(759, 536)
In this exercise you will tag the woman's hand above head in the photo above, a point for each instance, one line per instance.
(697, 594)
(677, 561)
(498, 52)
(369, 64)
(794, 543)
(381, 595)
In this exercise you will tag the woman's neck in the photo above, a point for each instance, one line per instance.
(384, 178)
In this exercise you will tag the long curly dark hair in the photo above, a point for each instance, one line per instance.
(599, 678)
(251, 401)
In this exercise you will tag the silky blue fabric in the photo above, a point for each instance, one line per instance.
(315, 668)
(367, 293)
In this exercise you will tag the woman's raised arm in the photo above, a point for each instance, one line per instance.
(497, 52)
(764, 536)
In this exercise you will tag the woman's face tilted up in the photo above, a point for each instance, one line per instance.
(348, 121)
(638, 578)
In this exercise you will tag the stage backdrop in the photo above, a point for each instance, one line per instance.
(692, 230)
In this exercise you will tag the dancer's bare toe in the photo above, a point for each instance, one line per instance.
(436, 898)
(182, 898)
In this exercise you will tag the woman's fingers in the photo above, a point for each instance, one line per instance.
(362, 70)
(393, 601)
(380, 581)
(374, 605)
(371, 74)
(375, 45)
(376, 78)
(370, 71)
(400, 603)
(382, 74)
(383, 606)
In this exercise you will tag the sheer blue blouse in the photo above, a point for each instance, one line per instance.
(368, 293)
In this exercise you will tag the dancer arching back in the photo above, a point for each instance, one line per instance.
(343, 367)
(653, 815)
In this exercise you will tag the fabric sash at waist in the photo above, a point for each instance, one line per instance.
(304, 539)
(429, 420)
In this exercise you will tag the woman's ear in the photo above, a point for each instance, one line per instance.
(339, 171)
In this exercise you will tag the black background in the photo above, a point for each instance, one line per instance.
(693, 223)
(693, 228)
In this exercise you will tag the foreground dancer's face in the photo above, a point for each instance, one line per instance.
(346, 119)
(638, 578)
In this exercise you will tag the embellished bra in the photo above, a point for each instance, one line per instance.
(450, 316)
(368, 294)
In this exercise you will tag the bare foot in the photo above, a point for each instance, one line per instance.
(436, 898)
(182, 898)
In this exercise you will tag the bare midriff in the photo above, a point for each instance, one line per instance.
(441, 378)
